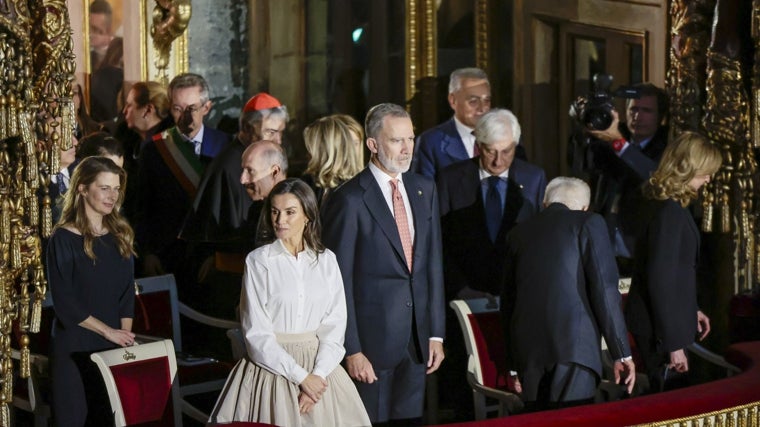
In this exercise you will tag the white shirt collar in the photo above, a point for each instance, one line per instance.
(465, 133)
(484, 174)
(198, 136)
(278, 248)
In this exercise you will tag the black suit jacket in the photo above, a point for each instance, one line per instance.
(384, 299)
(163, 203)
(662, 301)
(560, 292)
(470, 257)
(616, 183)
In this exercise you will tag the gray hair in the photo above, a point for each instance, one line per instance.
(252, 118)
(185, 80)
(455, 81)
(571, 192)
(375, 116)
(494, 126)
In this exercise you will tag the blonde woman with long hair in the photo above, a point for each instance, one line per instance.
(335, 145)
(91, 276)
(662, 311)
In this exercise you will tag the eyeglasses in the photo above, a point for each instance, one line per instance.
(191, 109)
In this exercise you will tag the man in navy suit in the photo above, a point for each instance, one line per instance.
(170, 171)
(473, 241)
(384, 228)
(474, 247)
(559, 298)
(452, 140)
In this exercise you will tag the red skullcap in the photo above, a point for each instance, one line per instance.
(261, 101)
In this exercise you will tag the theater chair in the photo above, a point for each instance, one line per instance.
(140, 383)
(157, 316)
(487, 373)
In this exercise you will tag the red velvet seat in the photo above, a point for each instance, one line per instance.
(486, 365)
(139, 381)
(157, 315)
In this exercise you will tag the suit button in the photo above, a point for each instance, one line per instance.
(408, 303)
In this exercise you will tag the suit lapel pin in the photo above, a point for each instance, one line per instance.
(419, 193)
(520, 185)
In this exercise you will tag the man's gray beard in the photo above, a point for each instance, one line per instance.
(389, 166)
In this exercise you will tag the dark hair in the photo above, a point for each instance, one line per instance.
(74, 215)
(152, 93)
(101, 6)
(99, 144)
(305, 195)
(114, 53)
(648, 89)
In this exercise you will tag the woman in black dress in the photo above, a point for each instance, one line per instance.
(661, 311)
(90, 272)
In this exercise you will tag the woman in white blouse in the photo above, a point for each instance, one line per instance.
(293, 313)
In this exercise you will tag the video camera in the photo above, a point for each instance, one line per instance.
(594, 111)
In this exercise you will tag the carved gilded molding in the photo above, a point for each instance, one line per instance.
(36, 122)
(411, 45)
(421, 43)
(175, 56)
(685, 79)
(481, 34)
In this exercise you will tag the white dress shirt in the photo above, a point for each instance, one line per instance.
(291, 295)
(465, 132)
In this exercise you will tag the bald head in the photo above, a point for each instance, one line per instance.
(264, 165)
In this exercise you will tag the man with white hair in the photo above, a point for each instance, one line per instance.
(481, 199)
(554, 313)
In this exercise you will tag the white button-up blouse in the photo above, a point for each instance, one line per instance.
(290, 295)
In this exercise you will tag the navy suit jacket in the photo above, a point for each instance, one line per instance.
(470, 257)
(437, 148)
(163, 203)
(560, 292)
(384, 299)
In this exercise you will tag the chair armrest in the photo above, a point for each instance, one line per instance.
(205, 319)
(713, 358)
(509, 399)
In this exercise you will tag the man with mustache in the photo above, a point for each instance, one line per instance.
(170, 171)
(384, 228)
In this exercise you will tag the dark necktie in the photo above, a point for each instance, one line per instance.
(493, 207)
(60, 181)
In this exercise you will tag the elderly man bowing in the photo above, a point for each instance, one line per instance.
(383, 226)
(559, 297)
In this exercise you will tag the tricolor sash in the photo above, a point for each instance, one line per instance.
(179, 156)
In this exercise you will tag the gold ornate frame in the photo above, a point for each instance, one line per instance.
(421, 43)
(148, 51)
(141, 16)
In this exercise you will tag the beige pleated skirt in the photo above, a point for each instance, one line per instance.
(255, 394)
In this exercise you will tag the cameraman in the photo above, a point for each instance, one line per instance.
(620, 158)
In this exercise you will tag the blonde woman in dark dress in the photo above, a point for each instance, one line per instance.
(90, 273)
